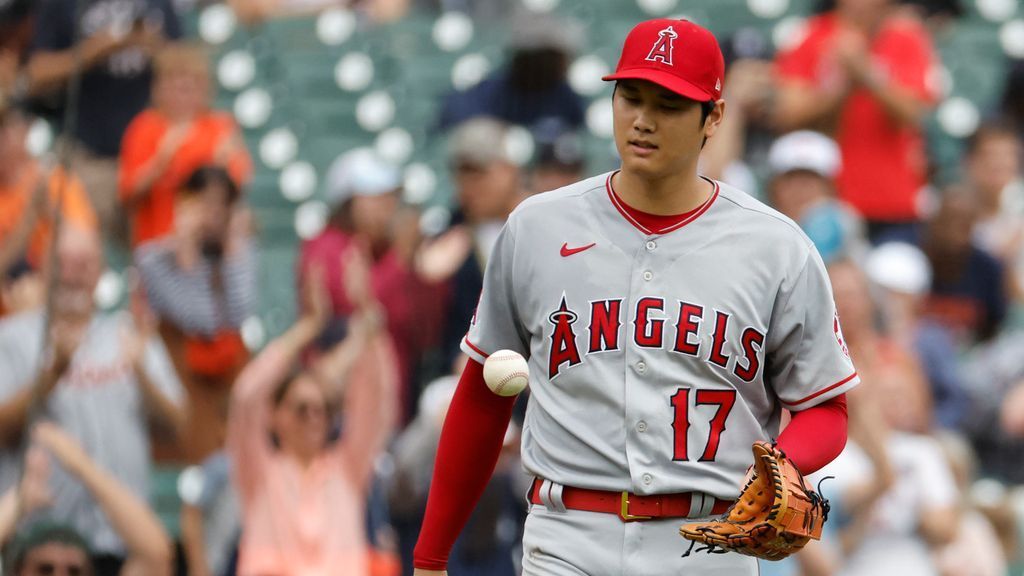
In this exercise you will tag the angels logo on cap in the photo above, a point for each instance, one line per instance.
(662, 49)
(675, 54)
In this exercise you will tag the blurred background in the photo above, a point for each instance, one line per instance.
(240, 243)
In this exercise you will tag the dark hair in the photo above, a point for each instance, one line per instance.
(281, 390)
(41, 534)
(209, 175)
(706, 107)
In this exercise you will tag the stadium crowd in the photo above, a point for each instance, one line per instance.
(312, 453)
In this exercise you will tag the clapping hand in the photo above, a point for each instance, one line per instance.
(34, 489)
(135, 335)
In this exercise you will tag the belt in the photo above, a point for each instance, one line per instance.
(629, 507)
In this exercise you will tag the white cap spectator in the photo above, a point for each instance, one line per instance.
(805, 150)
(899, 267)
(360, 172)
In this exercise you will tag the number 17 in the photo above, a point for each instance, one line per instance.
(724, 399)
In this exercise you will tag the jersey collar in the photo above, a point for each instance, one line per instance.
(696, 213)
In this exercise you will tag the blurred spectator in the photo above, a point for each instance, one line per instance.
(889, 364)
(488, 187)
(256, 11)
(863, 73)
(210, 517)
(15, 37)
(976, 549)
(897, 498)
(201, 284)
(21, 289)
(173, 138)
(106, 380)
(531, 90)
(117, 40)
(742, 139)
(903, 276)
(968, 290)
(367, 220)
(1012, 105)
(993, 161)
(492, 537)
(896, 493)
(803, 166)
(994, 374)
(558, 162)
(46, 548)
(302, 491)
(30, 193)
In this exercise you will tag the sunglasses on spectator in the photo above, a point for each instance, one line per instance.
(307, 410)
(55, 569)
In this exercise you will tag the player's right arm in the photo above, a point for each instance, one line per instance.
(477, 419)
(471, 441)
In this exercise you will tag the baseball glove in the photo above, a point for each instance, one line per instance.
(776, 514)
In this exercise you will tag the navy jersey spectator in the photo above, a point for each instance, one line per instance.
(532, 90)
(118, 39)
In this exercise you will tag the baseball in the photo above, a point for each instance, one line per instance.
(506, 373)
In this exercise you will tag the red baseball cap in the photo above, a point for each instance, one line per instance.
(675, 54)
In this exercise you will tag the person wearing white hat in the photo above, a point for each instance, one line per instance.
(803, 165)
(371, 237)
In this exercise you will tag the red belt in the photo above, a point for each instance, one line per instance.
(628, 507)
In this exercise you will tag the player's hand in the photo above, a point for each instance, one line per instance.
(422, 572)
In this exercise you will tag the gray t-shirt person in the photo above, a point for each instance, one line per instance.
(98, 402)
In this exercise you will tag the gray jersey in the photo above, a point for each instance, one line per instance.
(99, 403)
(656, 360)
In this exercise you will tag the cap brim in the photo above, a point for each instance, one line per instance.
(665, 80)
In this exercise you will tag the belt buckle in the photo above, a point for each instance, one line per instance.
(624, 510)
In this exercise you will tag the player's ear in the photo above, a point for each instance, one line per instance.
(714, 119)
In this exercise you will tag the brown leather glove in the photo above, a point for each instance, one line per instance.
(775, 516)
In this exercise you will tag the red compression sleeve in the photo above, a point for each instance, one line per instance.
(471, 440)
(815, 436)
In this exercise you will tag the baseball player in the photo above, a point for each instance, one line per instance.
(667, 318)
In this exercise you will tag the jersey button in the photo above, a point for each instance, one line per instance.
(641, 426)
(651, 245)
(648, 479)
(641, 367)
(648, 275)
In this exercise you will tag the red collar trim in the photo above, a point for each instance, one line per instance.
(694, 214)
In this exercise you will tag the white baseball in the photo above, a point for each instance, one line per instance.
(506, 373)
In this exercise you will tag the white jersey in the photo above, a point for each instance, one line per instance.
(656, 360)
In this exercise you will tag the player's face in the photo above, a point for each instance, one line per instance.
(658, 133)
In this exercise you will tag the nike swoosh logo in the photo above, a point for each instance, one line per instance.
(566, 251)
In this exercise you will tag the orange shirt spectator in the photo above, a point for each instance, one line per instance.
(164, 144)
(869, 76)
(21, 209)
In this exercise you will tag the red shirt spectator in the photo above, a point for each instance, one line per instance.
(879, 84)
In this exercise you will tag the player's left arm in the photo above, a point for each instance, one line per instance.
(809, 366)
(815, 436)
